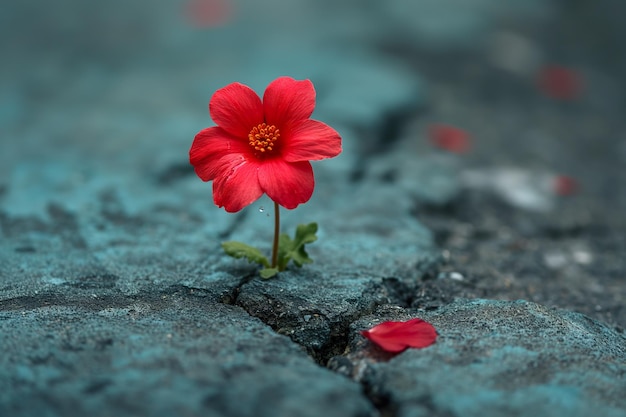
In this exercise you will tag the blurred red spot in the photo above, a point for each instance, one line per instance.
(449, 138)
(208, 13)
(560, 83)
(396, 336)
(564, 185)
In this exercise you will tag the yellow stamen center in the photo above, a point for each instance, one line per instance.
(263, 136)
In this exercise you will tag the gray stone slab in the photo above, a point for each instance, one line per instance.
(112, 281)
(108, 253)
(166, 354)
(497, 358)
(367, 242)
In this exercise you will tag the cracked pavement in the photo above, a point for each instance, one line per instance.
(116, 299)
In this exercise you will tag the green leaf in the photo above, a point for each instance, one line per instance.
(305, 233)
(294, 249)
(268, 272)
(241, 250)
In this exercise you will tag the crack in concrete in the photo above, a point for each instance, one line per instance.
(335, 346)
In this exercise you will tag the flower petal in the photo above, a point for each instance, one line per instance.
(564, 185)
(449, 138)
(287, 183)
(213, 151)
(395, 336)
(236, 108)
(238, 187)
(208, 13)
(560, 83)
(311, 140)
(287, 101)
(386, 345)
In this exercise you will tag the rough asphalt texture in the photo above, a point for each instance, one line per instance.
(116, 300)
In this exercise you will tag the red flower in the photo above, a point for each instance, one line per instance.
(262, 147)
(449, 138)
(396, 336)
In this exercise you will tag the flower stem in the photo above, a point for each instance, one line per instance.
(276, 233)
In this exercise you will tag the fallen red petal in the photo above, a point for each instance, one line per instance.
(208, 13)
(396, 336)
(564, 185)
(560, 83)
(449, 138)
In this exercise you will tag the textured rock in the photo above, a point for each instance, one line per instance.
(357, 264)
(497, 358)
(110, 243)
(169, 354)
(113, 286)
(118, 199)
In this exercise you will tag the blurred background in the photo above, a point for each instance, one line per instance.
(520, 100)
(94, 91)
